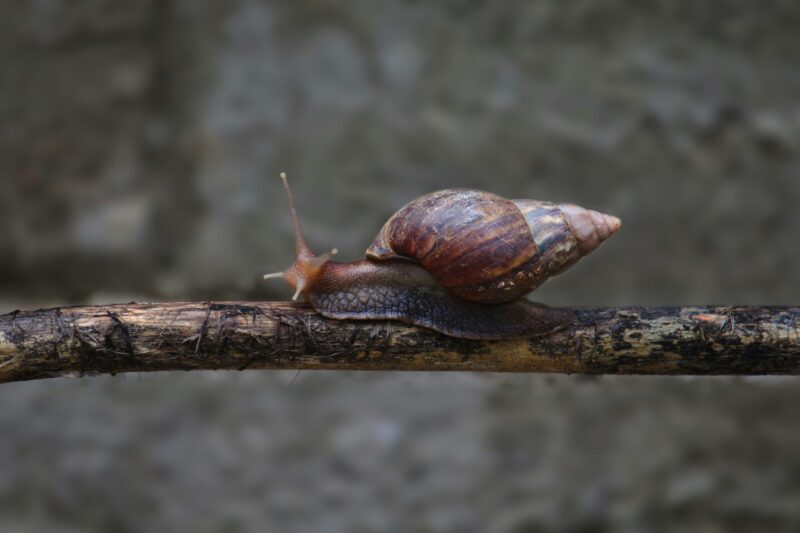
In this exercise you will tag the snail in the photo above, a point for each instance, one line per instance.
(456, 261)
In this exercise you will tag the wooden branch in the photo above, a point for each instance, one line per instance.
(108, 339)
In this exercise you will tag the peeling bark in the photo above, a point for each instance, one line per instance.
(110, 339)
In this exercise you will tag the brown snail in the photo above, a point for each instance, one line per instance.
(456, 261)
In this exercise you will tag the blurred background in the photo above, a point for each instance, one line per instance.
(140, 145)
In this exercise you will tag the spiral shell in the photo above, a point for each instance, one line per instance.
(485, 248)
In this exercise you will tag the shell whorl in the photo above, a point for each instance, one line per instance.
(485, 248)
(590, 228)
(564, 233)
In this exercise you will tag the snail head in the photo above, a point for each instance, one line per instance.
(307, 267)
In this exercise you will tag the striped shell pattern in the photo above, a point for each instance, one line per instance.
(485, 248)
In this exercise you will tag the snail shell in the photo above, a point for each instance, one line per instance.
(488, 249)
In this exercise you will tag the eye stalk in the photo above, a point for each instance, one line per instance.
(307, 267)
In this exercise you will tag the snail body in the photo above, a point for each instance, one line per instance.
(456, 261)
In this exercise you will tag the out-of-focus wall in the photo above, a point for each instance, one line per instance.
(140, 144)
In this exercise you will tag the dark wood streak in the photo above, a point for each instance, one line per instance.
(110, 339)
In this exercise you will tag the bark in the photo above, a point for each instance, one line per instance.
(109, 339)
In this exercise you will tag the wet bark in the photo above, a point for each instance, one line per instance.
(110, 339)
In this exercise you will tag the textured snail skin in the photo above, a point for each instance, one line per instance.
(487, 249)
(407, 292)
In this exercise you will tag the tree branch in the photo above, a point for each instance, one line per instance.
(109, 339)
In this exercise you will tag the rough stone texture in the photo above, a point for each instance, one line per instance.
(140, 143)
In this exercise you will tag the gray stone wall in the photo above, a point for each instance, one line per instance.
(140, 144)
